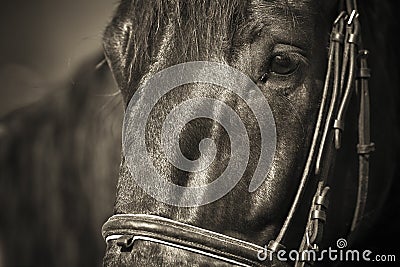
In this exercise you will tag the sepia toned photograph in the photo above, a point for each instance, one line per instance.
(199, 133)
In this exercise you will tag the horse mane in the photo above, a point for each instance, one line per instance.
(141, 26)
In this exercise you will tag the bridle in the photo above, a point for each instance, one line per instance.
(347, 73)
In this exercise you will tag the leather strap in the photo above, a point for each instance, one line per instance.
(365, 146)
(354, 72)
(125, 227)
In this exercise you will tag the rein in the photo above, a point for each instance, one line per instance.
(347, 72)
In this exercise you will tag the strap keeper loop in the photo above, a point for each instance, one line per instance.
(365, 149)
(363, 73)
(338, 124)
(319, 215)
(323, 201)
(353, 38)
(337, 37)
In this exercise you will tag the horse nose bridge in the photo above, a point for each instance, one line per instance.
(205, 111)
(206, 100)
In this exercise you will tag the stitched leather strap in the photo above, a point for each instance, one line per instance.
(125, 227)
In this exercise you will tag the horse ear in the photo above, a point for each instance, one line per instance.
(116, 60)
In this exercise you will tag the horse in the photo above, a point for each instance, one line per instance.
(60, 156)
(167, 55)
(59, 161)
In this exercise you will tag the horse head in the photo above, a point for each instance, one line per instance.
(183, 58)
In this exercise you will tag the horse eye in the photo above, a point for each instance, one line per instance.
(283, 65)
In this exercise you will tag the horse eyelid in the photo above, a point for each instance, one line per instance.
(292, 55)
(300, 60)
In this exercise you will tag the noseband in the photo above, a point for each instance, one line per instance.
(347, 71)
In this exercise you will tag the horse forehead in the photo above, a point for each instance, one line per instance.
(301, 6)
(262, 10)
(135, 37)
(294, 4)
(285, 8)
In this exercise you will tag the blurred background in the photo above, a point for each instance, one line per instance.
(47, 215)
(43, 42)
